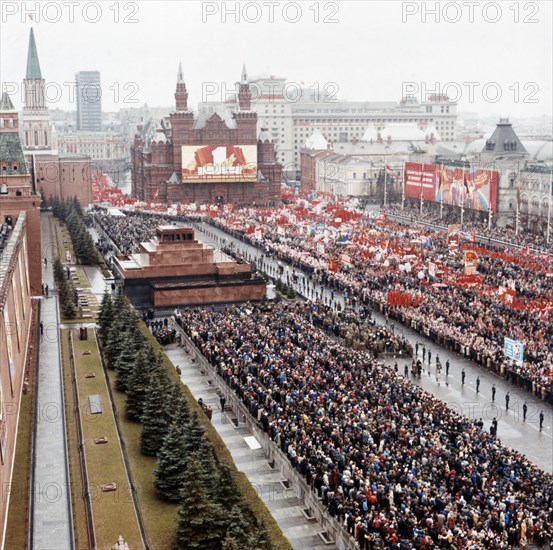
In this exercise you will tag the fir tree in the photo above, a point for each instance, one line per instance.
(105, 317)
(259, 539)
(230, 544)
(156, 414)
(196, 444)
(179, 405)
(125, 363)
(115, 340)
(227, 493)
(170, 467)
(138, 385)
(238, 527)
(199, 521)
(120, 306)
(69, 309)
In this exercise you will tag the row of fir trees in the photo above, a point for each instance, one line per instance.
(213, 514)
(69, 211)
(66, 291)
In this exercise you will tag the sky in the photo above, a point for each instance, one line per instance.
(493, 57)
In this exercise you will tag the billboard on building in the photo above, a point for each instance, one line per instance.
(472, 189)
(219, 163)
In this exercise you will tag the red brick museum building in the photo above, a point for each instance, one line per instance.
(209, 158)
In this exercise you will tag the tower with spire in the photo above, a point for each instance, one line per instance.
(244, 92)
(36, 127)
(246, 119)
(158, 173)
(181, 95)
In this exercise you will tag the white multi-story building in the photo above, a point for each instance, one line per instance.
(292, 112)
(108, 151)
(371, 167)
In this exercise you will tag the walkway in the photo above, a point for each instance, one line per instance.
(525, 437)
(282, 503)
(52, 520)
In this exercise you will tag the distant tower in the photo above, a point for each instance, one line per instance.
(181, 95)
(244, 92)
(89, 101)
(35, 118)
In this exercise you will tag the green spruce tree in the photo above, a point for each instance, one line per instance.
(199, 520)
(105, 317)
(230, 544)
(125, 363)
(227, 493)
(171, 465)
(138, 385)
(238, 527)
(180, 407)
(196, 444)
(156, 413)
(259, 539)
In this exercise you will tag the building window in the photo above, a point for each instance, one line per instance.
(45, 137)
(36, 138)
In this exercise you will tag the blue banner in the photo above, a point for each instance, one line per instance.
(514, 350)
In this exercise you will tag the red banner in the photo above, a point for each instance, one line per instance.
(404, 299)
(472, 189)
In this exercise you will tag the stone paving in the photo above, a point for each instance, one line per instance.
(283, 504)
(52, 517)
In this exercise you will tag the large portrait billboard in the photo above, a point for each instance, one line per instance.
(472, 189)
(219, 163)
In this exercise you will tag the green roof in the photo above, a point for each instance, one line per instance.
(6, 103)
(12, 151)
(33, 66)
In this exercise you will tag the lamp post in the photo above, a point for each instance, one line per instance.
(549, 220)
(403, 189)
(549, 209)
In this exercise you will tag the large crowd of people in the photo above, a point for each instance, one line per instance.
(128, 231)
(389, 460)
(472, 320)
(474, 221)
